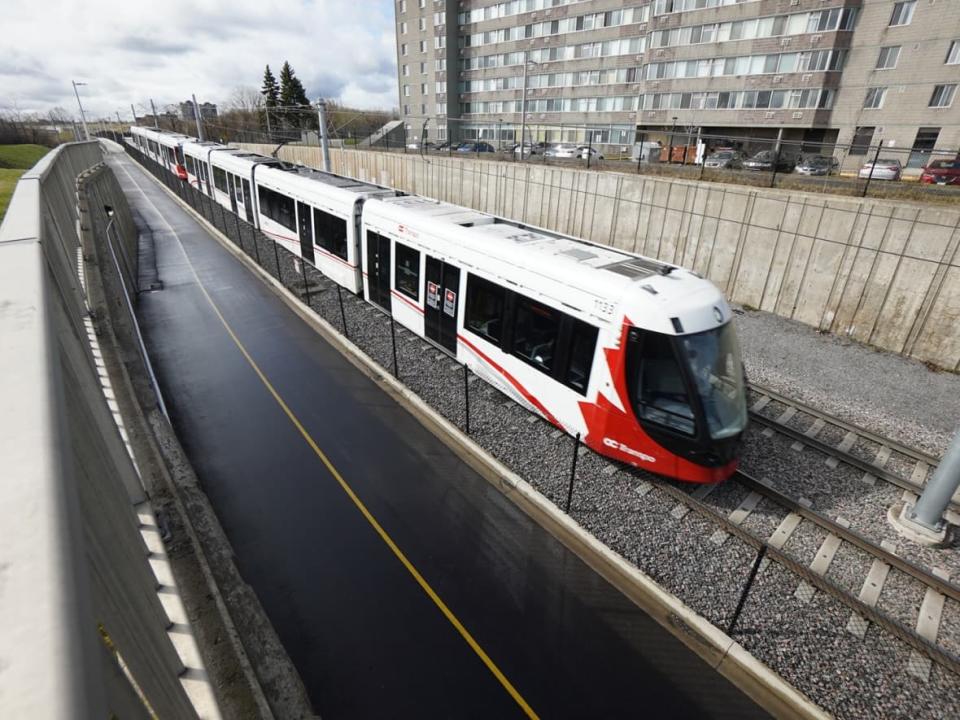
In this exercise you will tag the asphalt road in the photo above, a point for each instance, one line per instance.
(239, 372)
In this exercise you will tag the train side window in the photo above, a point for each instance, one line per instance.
(485, 301)
(583, 343)
(536, 328)
(330, 232)
(188, 161)
(220, 179)
(407, 272)
(238, 188)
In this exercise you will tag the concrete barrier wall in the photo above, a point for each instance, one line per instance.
(76, 585)
(881, 272)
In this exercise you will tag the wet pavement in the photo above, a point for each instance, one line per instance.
(366, 638)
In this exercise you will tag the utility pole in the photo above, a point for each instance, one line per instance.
(153, 107)
(83, 118)
(923, 522)
(269, 131)
(134, 113)
(324, 142)
(196, 116)
(523, 108)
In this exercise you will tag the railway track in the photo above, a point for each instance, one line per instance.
(807, 426)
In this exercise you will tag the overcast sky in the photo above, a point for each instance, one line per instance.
(131, 51)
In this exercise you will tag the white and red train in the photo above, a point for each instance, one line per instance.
(638, 356)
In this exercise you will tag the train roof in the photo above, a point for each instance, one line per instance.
(308, 182)
(521, 254)
(165, 137)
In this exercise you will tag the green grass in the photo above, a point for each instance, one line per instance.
(8, 181)
(22, 157)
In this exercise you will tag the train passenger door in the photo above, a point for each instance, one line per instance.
(231, 191)
(247, 201)
(440, 311)
(378, 269)
(305, 231)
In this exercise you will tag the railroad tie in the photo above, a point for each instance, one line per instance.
(737, 516)
(848, 440)
(883, 454)
(810, 432)
(919, 477)
(783, 419)
(761, 403)
(821, 563)
(681, 509)
(643, 488)
(870, 592)
(928, 625)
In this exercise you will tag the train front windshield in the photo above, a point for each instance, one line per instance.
(667, 372)
(714, 361)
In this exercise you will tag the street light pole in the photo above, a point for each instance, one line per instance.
(523, 105)
(83, 117)
(156, 120)
(196, 116)
(324, 142)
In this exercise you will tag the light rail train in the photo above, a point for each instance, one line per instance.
(638, 356)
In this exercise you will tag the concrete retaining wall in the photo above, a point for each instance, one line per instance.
(882, 272)
(76, 585)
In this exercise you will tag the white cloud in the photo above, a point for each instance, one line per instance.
(129, 52)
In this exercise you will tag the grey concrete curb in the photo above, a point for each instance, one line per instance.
(716, 648)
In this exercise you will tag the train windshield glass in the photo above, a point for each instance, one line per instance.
(714, 361)
(660, 395)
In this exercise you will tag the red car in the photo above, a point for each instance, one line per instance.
(942, 172)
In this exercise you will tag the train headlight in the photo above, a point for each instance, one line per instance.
(718, 314)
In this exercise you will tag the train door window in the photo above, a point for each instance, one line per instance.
(188, 161)
(583, 343)
(238, 189)
(442, 303)
(179, 153)
(331, 233)
(485, 303)
(247, 204)
(220, 179)
(305, 231)
(231, 178)
(378, 269)
(536, 328)
(407, 271)
(659, 392)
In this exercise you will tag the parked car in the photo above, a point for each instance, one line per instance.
(882, 169)
(528, 149)
(563, 151)
(724, 159)
(941, 172)
(817, 165)
(475, 147)
(444, 146)
(586, 150)
(765, 160)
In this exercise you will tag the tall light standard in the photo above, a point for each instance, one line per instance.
(523, 105)
(86, 132)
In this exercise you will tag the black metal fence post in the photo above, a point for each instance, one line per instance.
(746, 588)
(776, 163)
(306, 287)
(466, 398)
(236, 221)
(873, 166)
(573, 472)
(393, 340)
(343, 315)
(276, 256)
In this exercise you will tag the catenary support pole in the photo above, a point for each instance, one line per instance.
(873, 166)
(196, 116)
(83, 117)
(133, 112)
(324, 140)
(156, 120)
(929, 509)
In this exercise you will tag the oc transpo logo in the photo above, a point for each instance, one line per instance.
(617, 445)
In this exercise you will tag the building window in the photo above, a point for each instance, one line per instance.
(423, 109)
(485, 302)
(423, 3)
(861, 140)
(424, 88)
(406, 91)
(423, 24)
(423, 46)
(423, 68)
(403, 6)
(902, 13)
(406, 109)
(942, 96)
(403, 49)
(887, 60)
(874, 99)
(953, 54)
(439, 18)
(403, 28)
(922, 146)
(331, 233)
(406, 70)
(407, 273)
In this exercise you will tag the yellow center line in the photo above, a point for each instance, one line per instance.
(421, 581)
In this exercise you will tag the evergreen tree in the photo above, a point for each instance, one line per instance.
(270, 89)
(292, 93)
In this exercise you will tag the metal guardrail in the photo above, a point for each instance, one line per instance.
(77, 592)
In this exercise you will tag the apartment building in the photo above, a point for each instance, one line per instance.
(618, 71)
